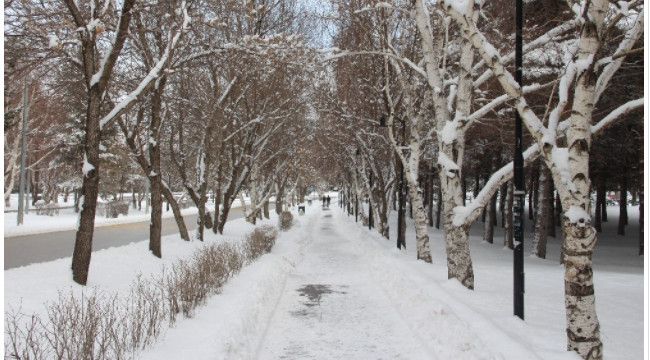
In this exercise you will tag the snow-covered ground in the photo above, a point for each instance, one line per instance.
(67, 218)
(111, 270)
(350, 294)
(332, 289)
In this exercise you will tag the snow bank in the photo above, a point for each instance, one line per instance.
(231, 324)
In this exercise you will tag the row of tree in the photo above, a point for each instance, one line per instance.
(421, 102)
(204, 97)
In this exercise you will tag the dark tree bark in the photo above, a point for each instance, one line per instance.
(603, 211)
(490, 216)
(543, 215)
(34, 186)
(558, 210)
(95, 91)
(438, 206)
(600, 200)
(76, 200)
(278, 199)
(180, 222)
(503, 195)
(147, 168)
(641, 240)
(551, 210)
(622, 205)
(401, 194)
(266, 210)
(154, 175)
(509, 233)
(464, 182)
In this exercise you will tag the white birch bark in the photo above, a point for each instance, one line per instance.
(570, 165)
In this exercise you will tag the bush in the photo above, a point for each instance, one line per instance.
(105, 326)
(261, 241)
(286, 220)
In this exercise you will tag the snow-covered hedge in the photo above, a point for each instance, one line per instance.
(98, 325)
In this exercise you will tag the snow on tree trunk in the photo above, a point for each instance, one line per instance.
(459, 262)
(420, 217)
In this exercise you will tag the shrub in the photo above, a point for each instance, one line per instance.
(261, 241)
(286, 220)
(105, 326)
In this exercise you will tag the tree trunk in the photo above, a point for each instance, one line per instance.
(429, 199)
(551, 210)
(180, 222)
(603, 211)
(531, 200)
(76, 200)
(488, 232)
(278, 200)
(509, 233)
(420, 217)
(459, 261)
(464, 190)
(89, 190)
(583, 329)
(543, 214)
(503, 194)
(154, 175)
(600, 199)
(559, 211)
(641, 240)
(439, 207)
(401, 210)
(622, 205)
(266, 210)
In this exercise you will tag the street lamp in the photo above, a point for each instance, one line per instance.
(519, 193)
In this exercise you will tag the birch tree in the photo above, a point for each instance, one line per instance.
(564, 143)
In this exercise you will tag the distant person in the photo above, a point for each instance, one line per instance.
(328, 201)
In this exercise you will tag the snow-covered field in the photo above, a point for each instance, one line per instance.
(332, 289)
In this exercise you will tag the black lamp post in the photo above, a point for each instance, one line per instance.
(519, 193)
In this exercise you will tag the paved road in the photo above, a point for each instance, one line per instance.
(30, 249)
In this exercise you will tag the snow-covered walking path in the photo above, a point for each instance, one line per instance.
(332, 309)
